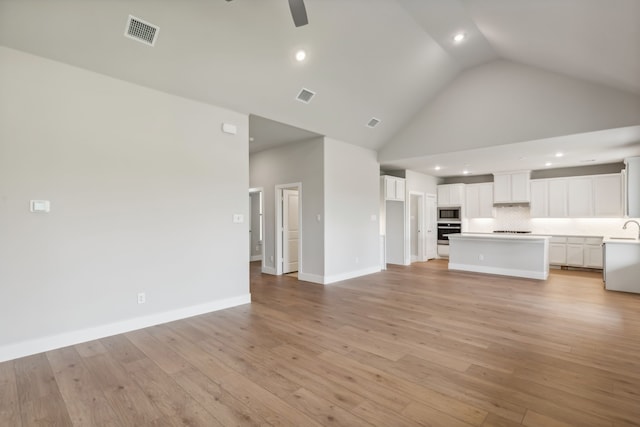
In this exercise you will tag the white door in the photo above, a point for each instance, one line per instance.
(415, 226)
(431, 229)
(290, 231)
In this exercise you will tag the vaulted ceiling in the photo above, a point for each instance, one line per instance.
(387, 59)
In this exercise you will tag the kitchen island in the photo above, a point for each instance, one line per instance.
(508, 255)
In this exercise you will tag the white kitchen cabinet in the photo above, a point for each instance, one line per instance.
(394, 188)
(577, 197)
(558, 194)
(558, 251)
(450, 194)
(580, 200)
(632, 187)
(548, 198)
(511, 187)
(539, 207)
(479, 200)
(575, 255)
(593, 256)
(607, 196)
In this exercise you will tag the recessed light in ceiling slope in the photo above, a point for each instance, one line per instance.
(141, 31)
(458, 38)
(301, 55)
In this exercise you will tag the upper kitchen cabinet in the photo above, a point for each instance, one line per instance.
(511, 187)
(394, 188)
(450, 194)
(549, 198)
(632, 206)
(596, 196)
(479, 200)
(581, 197)
(608, 196)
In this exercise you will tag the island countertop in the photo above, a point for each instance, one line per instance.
(499, 236)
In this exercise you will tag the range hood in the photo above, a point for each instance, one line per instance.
(511, 204)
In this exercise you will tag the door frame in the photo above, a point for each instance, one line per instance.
(258, 190)
(421, 226)
(278, 225)
(434, 198)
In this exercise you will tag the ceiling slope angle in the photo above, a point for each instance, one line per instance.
(504, 102)
(594, 40)
(366, 58)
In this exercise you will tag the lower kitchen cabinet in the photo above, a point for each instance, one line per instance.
(576, 251)
(558, 251)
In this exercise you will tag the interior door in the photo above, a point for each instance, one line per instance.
(290, 230)
(414, 220)
(431, 227)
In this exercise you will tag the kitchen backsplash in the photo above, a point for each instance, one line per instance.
(518, 218)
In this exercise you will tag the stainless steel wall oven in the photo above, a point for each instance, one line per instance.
(445, 228)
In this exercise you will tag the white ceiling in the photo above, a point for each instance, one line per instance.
(366, 58)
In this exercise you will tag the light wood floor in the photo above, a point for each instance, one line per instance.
(410, 346)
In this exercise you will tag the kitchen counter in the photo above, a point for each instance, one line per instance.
(518, 255)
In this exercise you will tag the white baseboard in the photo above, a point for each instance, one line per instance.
(313, 278)
(39, 345)
(256, 258)
(500, 271)
(350, 275)
(268, 270)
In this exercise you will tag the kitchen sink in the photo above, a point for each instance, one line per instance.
(622, 238)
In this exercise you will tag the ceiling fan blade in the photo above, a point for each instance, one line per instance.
(298, 12)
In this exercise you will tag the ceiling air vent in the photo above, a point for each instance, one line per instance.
(305, 96)
(141, 31)
(373, 122)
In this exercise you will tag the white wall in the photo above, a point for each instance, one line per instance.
(503, 102)
(297, 162)
(422, 183)
(352, 193)
(143, 186)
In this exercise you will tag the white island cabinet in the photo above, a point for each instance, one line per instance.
(507, 255)
(622, 264)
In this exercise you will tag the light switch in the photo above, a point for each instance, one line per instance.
(374, 217)
(238, 218)
(229, 128)
(40, 206)
(318, 218)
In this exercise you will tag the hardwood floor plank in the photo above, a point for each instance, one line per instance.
(83, 397)
(410, 346)
(129, 403)
(9, 406)
(224, 407)
(167, 396)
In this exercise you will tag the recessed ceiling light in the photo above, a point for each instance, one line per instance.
(250, 139)
(548, 164)
(437, 168)
(465, 172)
(459, 37)
(301, 55)
(559, 154)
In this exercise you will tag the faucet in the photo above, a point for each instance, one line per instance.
(624, 227)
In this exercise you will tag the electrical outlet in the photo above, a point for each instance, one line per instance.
(142, 298)
(481, 257)
(357, 260)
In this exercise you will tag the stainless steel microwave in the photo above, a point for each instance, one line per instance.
(449, 214)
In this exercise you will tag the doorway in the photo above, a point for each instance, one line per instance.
(288, 226)
(431, 227)
(416, 226)
(256, 224)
